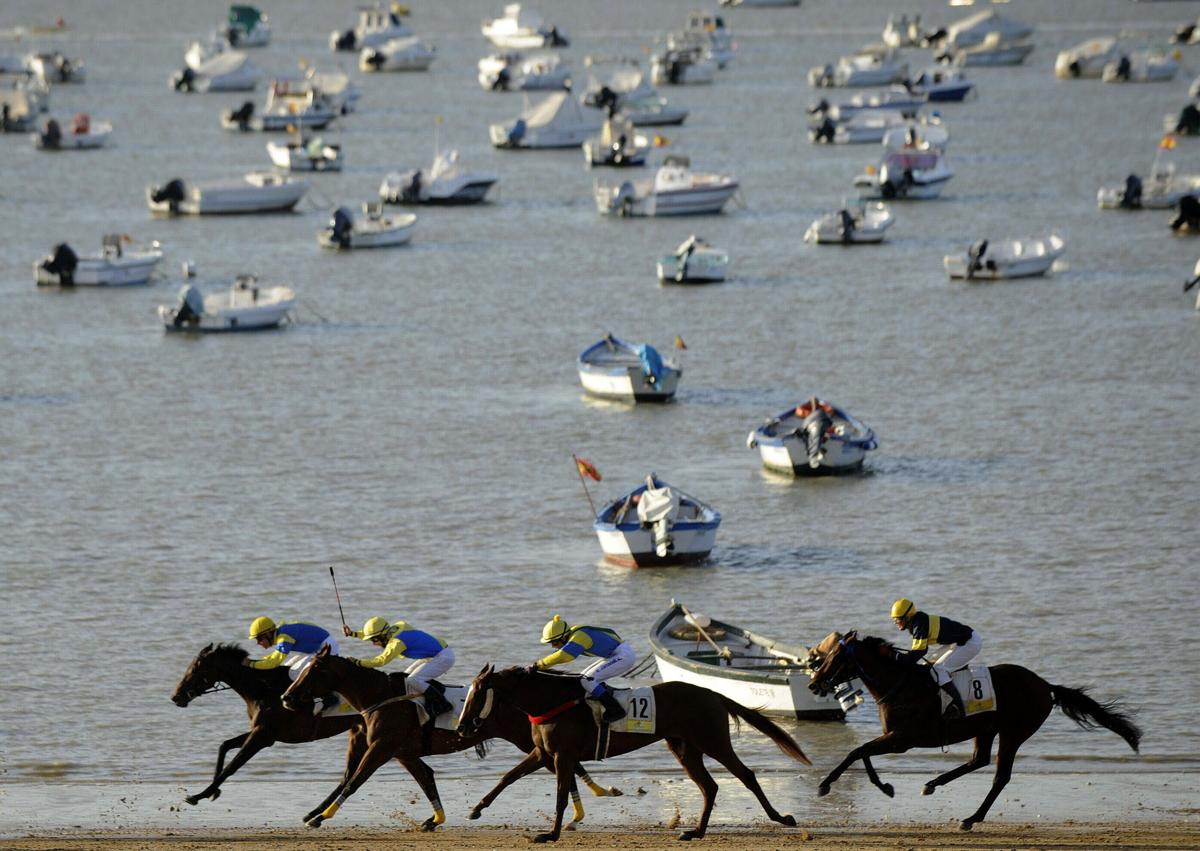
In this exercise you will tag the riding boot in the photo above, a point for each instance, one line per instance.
(955, 709)
(612, 710)
(435, 700)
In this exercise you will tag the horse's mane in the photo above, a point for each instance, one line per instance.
(874, 642)
(232, 651)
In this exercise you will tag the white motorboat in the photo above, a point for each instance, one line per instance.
(1087, 60)
(557, 121)
(861, 69)
(399, 54)
(1160, 191)
(371, 229)
(681, 67)
(694, 262)
(256, 192)
(675, 190)
(905, 174)
(520, 29)
(814, 438)
(245, 306)
(655, 525)
(247, 26)
(1142, 66)
(19, 110)
(314, 154)
(618, 144)
(83, 134)
(1008, 258)
(335, 89)
(627, 372)
(52, 68)
(941, 83)
(752, 3)
(851, 225)
(446, 182)
(897, 99)
(977, 28)
(286, 110)
(625, 90)
(376, 25)
(865, 126)
(993, 50)
(708, 32)
(113, 266)
(750, 669)
(228, 71)
(514, 72)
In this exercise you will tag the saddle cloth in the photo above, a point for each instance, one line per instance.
(456, 696)
(974, 683)
(640, 711)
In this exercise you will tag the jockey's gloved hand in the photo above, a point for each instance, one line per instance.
(347, 631)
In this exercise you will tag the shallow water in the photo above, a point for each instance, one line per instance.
(1036, 475)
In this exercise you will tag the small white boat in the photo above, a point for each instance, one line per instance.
(335, 89)
(228, 71)
(977, 28)
(655, 525)
(618, 144)
(314, 154)
(52, 68)
(993, 50)
(752, 3)
(941, 83)
(113, 266)
(681, 67)
(1143, 66)
(675, 190)
(851, 225)
(627, 372)
(446, 182)
(519, 29)
(1087, 60)
(865, 126)
(861, 69)
(399, 54)
(694, 262)
(557, 121)
(897, 99)
(1009, 258)
(905, 175)
(286, 110)
(627, 91)
(376, 25)
(812, 439)
(83, 134)
(243, 307)
(514, 72)
(1160, 191)
(372, 229)
(247, 26)
(19, 110)
(709, 33)
(750, 669)
(256, 192)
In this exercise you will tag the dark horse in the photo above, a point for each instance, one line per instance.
(393, 729)
(910, 712)
(694, 722)
(270, 722)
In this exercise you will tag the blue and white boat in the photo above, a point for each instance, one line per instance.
(941, 83)
(813, 439)
(629, 372)
(655, 525)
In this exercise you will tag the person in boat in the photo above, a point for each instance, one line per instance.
(569, 642)
(430, 657)
(963, 644)
(291, 644)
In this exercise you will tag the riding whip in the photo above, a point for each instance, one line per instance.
(336, 594)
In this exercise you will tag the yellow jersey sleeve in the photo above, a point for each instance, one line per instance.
(558, 657)
(271, 660)
(394, 648)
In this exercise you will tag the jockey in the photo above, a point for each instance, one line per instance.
(963, 642)
(293, 644)
(570, 641)
(431, 656)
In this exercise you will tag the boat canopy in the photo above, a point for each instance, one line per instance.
(245, 17)
(652, 363)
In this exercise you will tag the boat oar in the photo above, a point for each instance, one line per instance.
(723, 652)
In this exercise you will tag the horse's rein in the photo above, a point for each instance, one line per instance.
(210, 690)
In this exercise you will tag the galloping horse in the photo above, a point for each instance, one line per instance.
(270, 722)
(910, 712)
(693, 720)
(393, 729)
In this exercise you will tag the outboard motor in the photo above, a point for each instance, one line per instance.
(1189, 121)
(556, 39)
(1075, 68)
(886, 187)
(815, 425)
(62, 264)
(825, 131)
(1189, 215)
(345, 41)
(340, 226)
(376, 59)
(606, 99)
(821, 108)
(517, 133)
(674, 70)
(623, 201)
(1183, 35)
(1131, 198)
(191, 307)
(242, 115)
(1124, 67)
(502, 81)
(52, 135)
(233, 35)
(184, 80)
(847, 221)
(412, 191)
(975, 256)
(173, 192)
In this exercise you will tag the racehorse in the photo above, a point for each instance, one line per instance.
(910, 712)
(270, 722)
(693, 720)
(393, 729)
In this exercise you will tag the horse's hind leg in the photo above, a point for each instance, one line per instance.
(981, 757)
(729, 758)
(212, 790)
(356, 746)
(423, 774)
(531, 763)
(692, 761)
(1005, 756)
(377, 753)
(597, 790)
(251, 745)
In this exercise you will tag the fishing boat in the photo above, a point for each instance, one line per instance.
(694, 262)
(864, 127)
(905, 174)
(812, 439)
(245, 306)
(859, 224)
(303, 154)
(1142, 66)
(376, 25)
(656, 525)
(941, 83)
(627, 372)
(256, 192)
(399, 54)
(746, 667)
(974, 29)
(514, 72)
(681, 66)
(520, 29)
(19, 110)
(618, 144)
(115, 265)
(372, 229)
(445, 182)
(860, 69)
(1007, 258)
(625, 89)
(1160, 191)
(557, 121)
(52, 68)
(287, 110)
(1087, 60)
(84, 134)
(247, 26)
(226, 71)
(993, 50)
(674, 190)
(709, 32)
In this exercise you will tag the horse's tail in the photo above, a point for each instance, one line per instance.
(767, 727)
(1090, 714)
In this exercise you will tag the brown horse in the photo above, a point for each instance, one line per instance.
(393, 729)
(270, 722)
(693, 720)
(911, 714)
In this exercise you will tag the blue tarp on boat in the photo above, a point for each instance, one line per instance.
(651, 361)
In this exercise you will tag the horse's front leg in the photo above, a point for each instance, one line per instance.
(252, 743)
(356, 746)
(378, 752)
(564, 771)
(887, 743)
(212, 790)
(981, 757)
(597, 790)
(885, 788)
(423, 774)
(532, 761)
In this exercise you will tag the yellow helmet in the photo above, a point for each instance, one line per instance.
(260, 625)
(375, 628)
(903, 607)
(554, 630)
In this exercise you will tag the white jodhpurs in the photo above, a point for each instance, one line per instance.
(422, 671)
(298, 662)
(620, 662)
(957, 656)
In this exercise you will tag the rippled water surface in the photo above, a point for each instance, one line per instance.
(1037, 469)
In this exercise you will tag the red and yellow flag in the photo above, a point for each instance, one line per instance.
(586, 468)
(1167, 143)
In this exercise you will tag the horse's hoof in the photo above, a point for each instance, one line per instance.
(822, 790)
(689, 835)
(192, 799)
(428, 825)
(967, 824)
(887, 789)
(788, 820)
(474, 814)
(569, 826)
(928, 790)
(314, 822)
(614, 792)
(216, 793)
(545, 837)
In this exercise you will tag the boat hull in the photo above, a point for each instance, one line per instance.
(133, 268)
(232, 199)
(789, 456)
(635, 547)
(627, 384)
